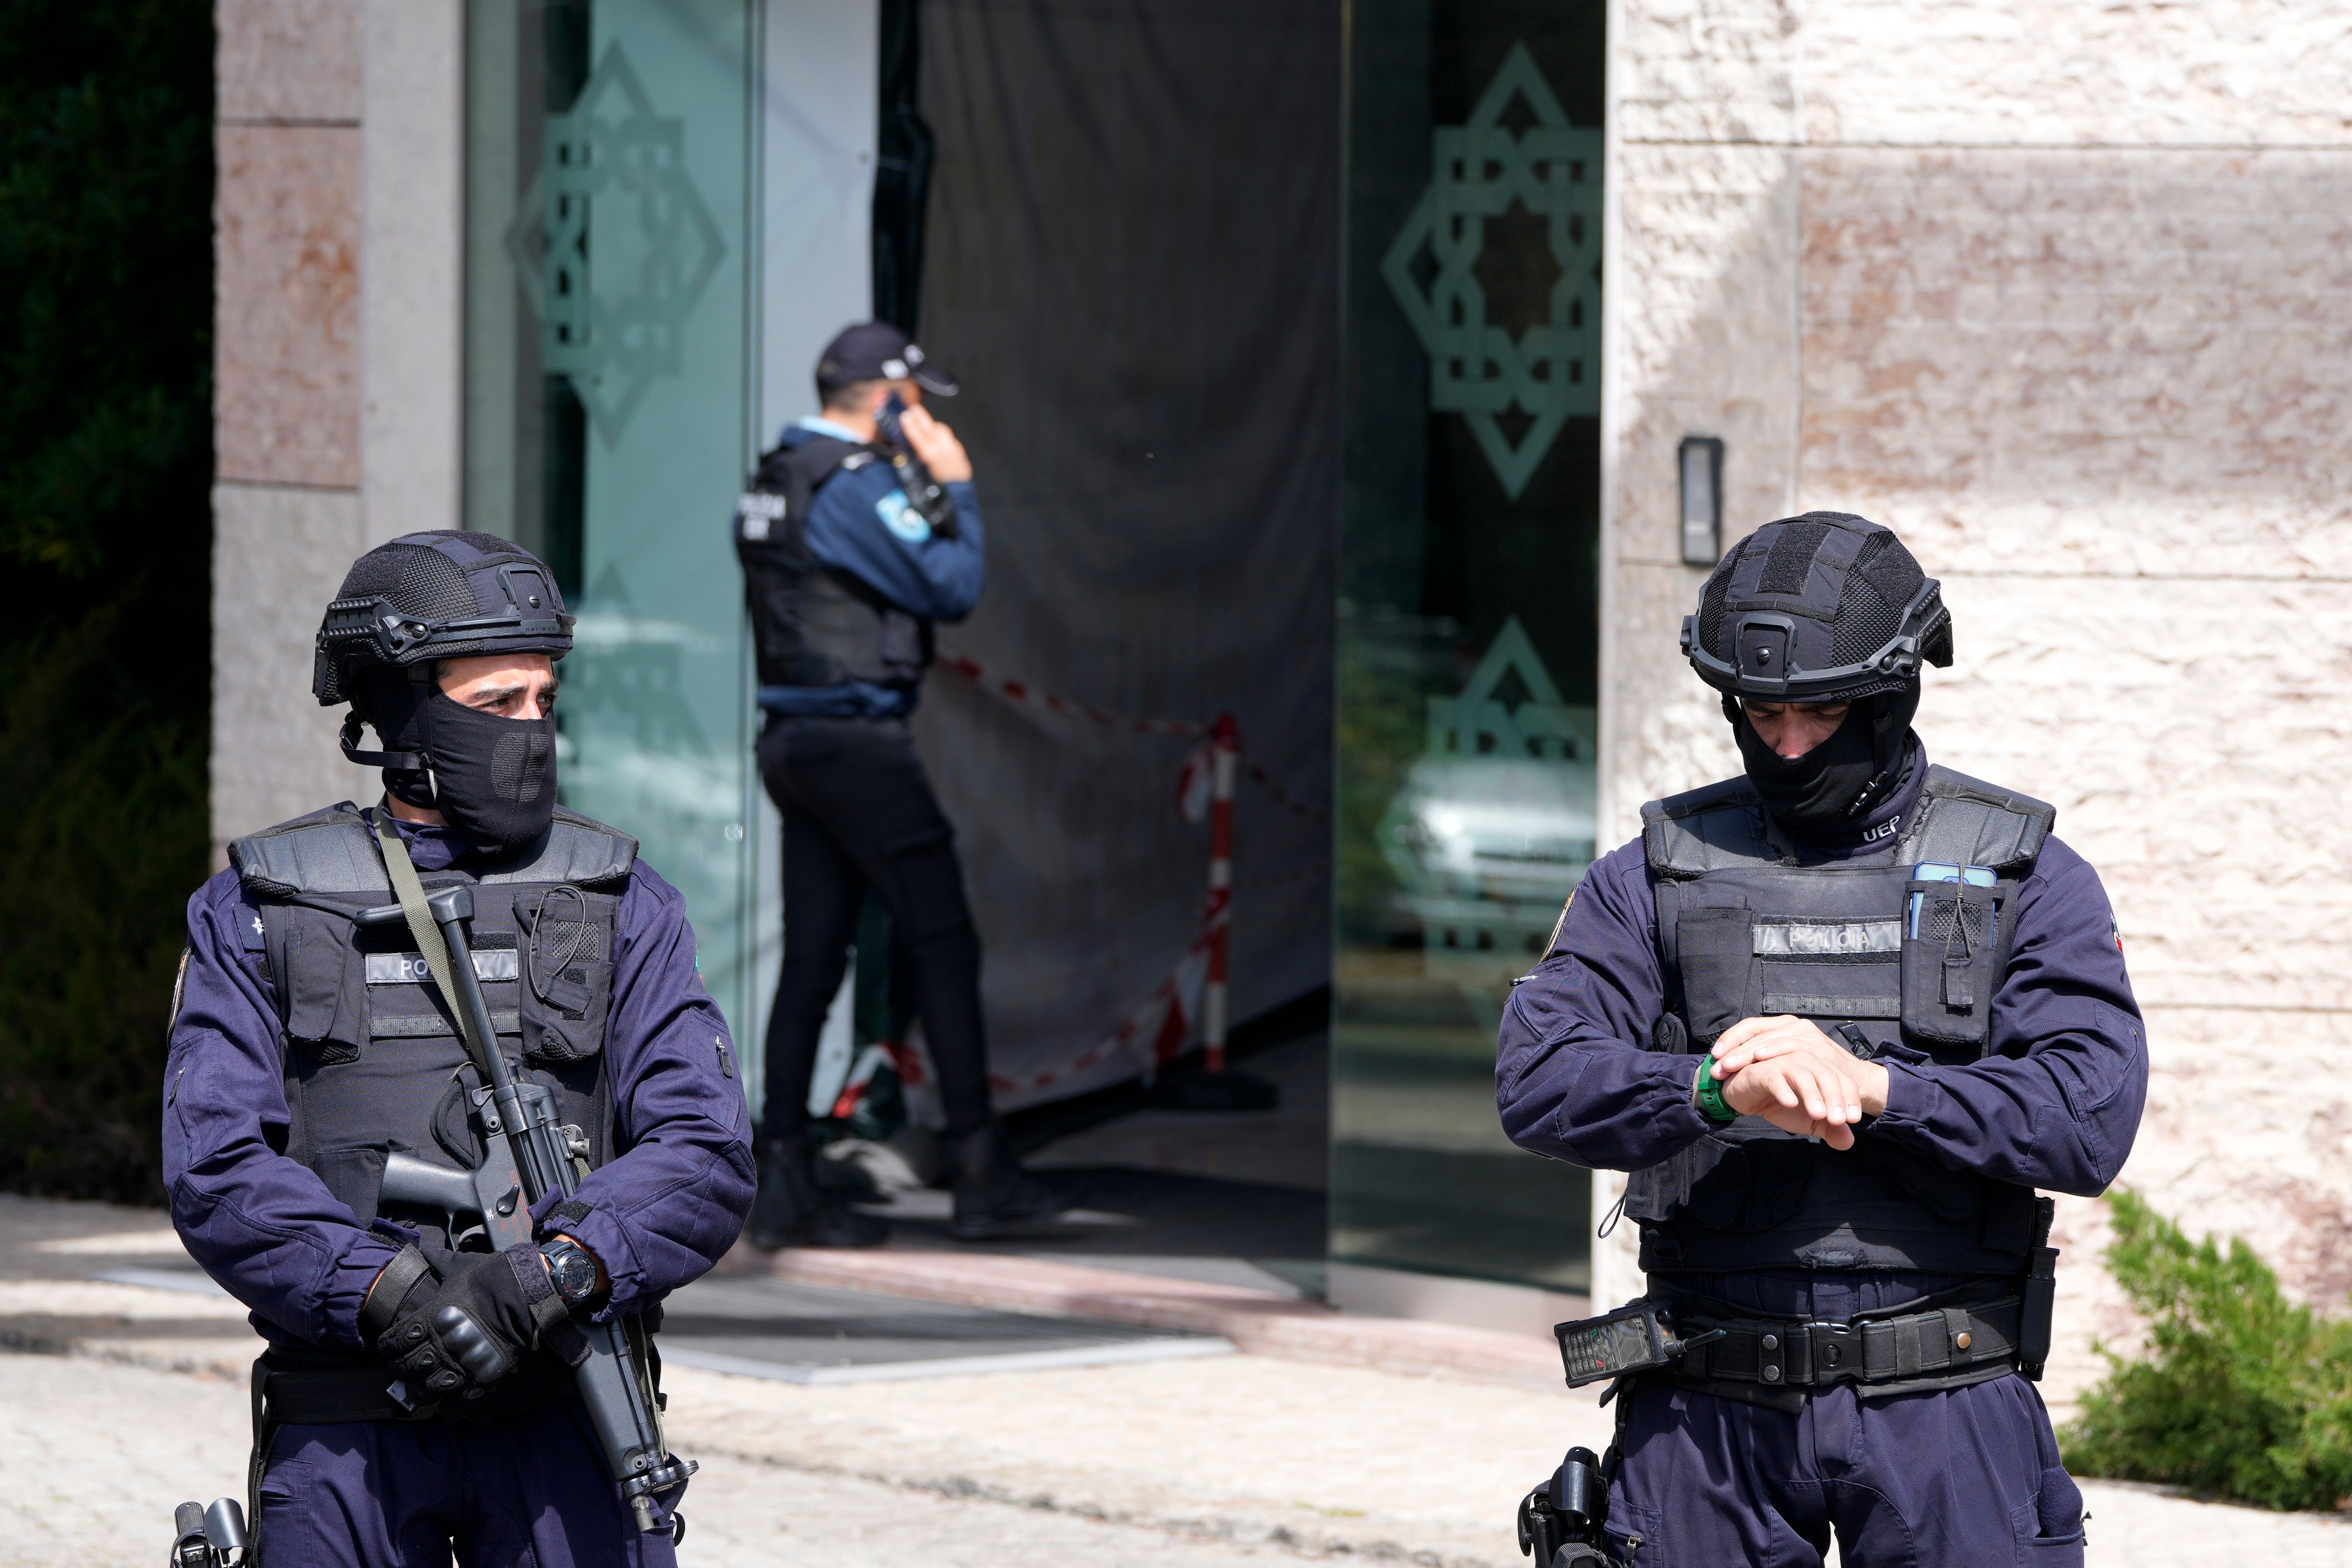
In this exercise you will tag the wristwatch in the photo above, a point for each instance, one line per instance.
(572, 1268)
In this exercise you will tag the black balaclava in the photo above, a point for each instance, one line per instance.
(1863, 762)
(493, 778)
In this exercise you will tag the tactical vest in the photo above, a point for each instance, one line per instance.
(811, 625)
(373, 1059)
(1873, 958)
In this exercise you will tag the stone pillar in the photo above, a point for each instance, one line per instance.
(337, 399)
(412, 318)
(285, 500)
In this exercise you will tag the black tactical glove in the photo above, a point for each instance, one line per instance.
(454, 1337)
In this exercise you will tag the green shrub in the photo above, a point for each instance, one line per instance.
(102, 843)
(2242, 1394)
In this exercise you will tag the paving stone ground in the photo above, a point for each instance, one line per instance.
(94, 1455)
(1198, 1464)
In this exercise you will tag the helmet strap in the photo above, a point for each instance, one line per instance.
(409, 761)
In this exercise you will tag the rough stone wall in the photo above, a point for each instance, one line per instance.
(286, 502)
(2056, 291)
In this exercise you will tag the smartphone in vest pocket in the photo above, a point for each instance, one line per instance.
(1933, 871)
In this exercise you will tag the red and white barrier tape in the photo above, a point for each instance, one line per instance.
(1192, 779)
(1022, 692)
(1282, 798)
(1160, 1023)
(1204, 788)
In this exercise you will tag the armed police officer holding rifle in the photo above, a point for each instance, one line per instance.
(423, 1387)
(1838, 1017)
(859, 531)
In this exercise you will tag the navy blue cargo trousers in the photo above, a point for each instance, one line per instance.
(1957, 1478)
(528, 1493)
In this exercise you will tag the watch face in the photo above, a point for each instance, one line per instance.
(574, 1272)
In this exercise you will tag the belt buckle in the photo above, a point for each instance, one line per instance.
(1836, 1351)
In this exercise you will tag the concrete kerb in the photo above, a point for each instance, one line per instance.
(1259, 1323)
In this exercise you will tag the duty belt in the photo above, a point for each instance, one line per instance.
(294, 1390)
(1945, 1344)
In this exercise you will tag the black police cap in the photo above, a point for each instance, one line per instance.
(877, 350)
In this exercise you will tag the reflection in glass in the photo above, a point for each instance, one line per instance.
(1469, 621)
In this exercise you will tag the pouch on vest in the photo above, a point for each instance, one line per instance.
(567, 976)
(1745, 1185)
(323, 987)
(1715, 948)
(1952, 960)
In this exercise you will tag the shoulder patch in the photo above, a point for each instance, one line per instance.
(900, 517)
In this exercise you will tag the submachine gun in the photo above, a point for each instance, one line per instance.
(528, 1155)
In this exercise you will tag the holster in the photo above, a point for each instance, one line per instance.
(2038, 1290)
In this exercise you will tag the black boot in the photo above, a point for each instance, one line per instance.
(993, 1194)
(792, 1211)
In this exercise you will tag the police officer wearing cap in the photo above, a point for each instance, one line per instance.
(1840, 1017)
(307, 1051)
(858, 532)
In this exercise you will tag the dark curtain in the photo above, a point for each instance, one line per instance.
(1133, 264)
(902, 171)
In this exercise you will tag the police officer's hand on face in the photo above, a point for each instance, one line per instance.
(935, 445)
(1787, 1072)
(454, 1337)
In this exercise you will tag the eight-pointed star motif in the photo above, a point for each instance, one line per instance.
(1477, 171)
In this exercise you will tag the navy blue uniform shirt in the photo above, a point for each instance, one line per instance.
(660, 1213)
(860, 523)
(2055, 1105)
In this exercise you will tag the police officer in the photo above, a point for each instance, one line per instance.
(305, 1051)
(1840, 1017)
(860, 531)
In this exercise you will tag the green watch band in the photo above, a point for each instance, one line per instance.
(1708, 1094)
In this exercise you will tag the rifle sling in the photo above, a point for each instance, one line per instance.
(410, 892)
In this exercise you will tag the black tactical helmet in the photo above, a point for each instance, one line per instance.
(1826, 608)
(442, 595)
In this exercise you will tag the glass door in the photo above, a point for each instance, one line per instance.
(1468, 627)
(609, 408)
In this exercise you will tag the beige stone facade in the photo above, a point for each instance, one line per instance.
(2058, 292)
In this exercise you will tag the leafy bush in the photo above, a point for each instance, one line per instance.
(2243, 1394)
(105, 174)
